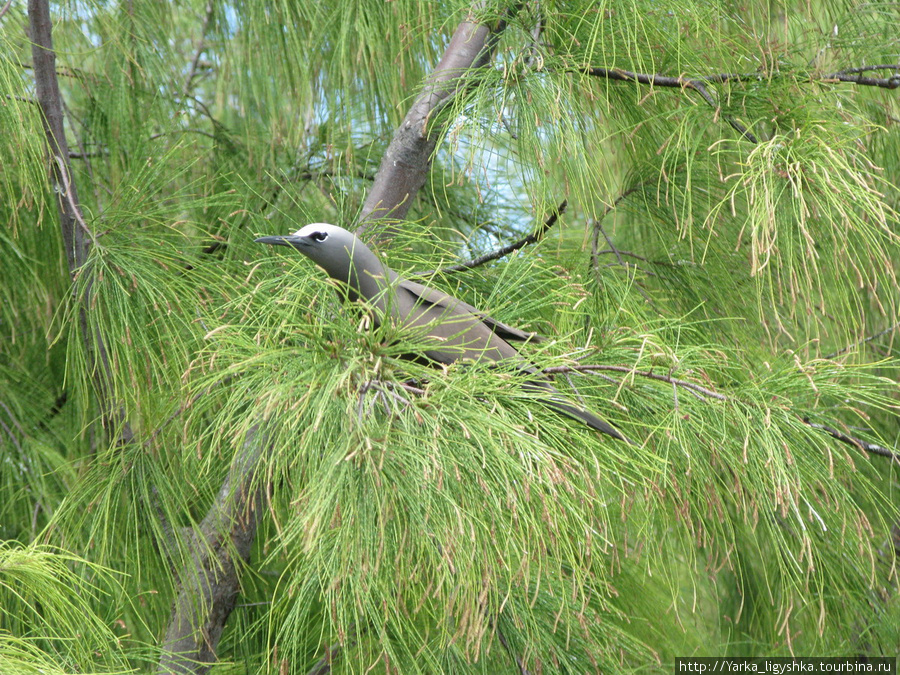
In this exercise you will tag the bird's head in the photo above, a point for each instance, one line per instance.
(340, 253)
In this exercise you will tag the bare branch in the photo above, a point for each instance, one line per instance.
(532, 238)
(844, 350)
(50, 101)
(515, 657)
(598, 230)
(854, 76)
(588, 367)
(698, 83)
(865, 446)
(680, 82)
(871, 448)
(209, 582)
(404, 166)
(201, 46)
(76, 235)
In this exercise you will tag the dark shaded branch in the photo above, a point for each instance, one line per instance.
(584, 368)
(209, 582)
(849, 75)
(698, 83)
(844, 350)
(854, 76)
(405, 164)
(515, 657)
(50, 102)
(871, 448)
(532, 238)
(76, 235)
(680, 82)
(598, 230)
(201, 46)
(153, 137)
(865, 446)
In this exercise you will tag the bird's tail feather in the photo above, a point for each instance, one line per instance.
(557, 402)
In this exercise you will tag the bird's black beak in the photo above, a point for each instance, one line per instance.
(282, 240)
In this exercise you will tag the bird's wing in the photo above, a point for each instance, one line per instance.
(458, 331)
(433, 296)
(462, 332)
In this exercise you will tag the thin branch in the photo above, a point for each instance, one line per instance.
(698, 83)
(76, 235)
(679, 82)
(153, 137)
(865, 446)
(83, 154)
(196, 397)
(612, 247)
(848, 75)
(588, 367)
(410, 388)
(5, 8)
(332, 652)
(532, 238)
(50, 101)
(12, 418)
(598, 226)
(11, 435)
(595, 239)
(23, 99)
(201, 46)
(69, 193)
(630, 254)
(515, 657)
(854, 76)
(877, 335)
(871, 448)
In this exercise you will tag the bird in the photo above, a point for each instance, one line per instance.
(458, 331)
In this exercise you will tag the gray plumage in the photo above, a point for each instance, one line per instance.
(459, 330)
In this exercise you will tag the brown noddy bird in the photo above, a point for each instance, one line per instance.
(460, 331)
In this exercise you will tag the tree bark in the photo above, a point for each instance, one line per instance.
(405, 164)
(50, 103)
(209, 583)
(75, 233)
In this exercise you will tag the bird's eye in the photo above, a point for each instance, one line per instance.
(319, 236)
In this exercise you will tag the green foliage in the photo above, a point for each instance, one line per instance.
(729, 304)
(47, 620)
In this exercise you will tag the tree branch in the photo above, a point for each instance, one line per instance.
(201, 45)
(209, 582)
(405, 164)
(76, 235)
(680, 82)
(588, 367)
(865, 446)
(50, 102)
(849, 75)
(532, 238)
(877, 335)
(853, 76)
(598, 230)
(871, 448)
(698, 84)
